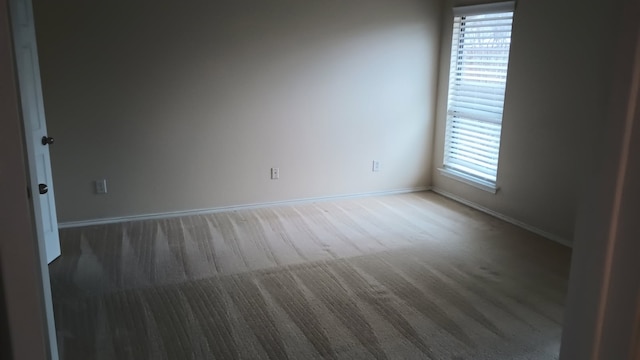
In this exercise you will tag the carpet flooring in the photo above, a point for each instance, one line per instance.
(411, 276)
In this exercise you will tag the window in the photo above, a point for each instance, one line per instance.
(477, 81)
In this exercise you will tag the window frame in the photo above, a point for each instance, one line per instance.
(483, 183)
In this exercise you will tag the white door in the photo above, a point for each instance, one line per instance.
(36, 136)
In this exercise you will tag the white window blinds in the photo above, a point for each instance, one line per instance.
(478, 75)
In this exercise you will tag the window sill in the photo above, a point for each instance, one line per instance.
(469, 180)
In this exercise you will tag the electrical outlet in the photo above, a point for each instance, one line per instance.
(376, 166)
(275, 173)
(101, 186)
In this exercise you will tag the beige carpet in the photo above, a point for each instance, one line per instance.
(412, 276)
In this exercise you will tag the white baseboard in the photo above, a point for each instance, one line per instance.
(170, 214)
(533, 229)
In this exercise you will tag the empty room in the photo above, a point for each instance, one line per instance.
(357, 179)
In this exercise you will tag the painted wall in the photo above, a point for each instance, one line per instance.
(602, 317)
(554, 106)
(187, 105)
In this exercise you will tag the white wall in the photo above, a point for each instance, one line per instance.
(602, 320)
(555, 100)
(187, 105)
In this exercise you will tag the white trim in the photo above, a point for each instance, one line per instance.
(469, 180)
(533, 229)
(171, 214)
(504, 6)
